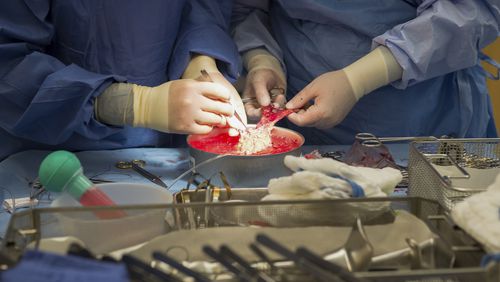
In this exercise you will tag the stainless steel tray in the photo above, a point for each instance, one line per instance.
(449, 170)
(219, 195)
(29, 228)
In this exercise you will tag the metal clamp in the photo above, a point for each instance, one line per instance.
(465, 174)
(137, 165)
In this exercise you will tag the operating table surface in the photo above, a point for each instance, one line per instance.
(18, 171)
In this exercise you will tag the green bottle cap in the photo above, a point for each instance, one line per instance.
(61, 170)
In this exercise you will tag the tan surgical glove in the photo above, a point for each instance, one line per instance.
(193, 71)
(264, 74)
(179, 106)
(376, 69)
(335, 93)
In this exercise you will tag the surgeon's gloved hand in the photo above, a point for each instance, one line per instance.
(330, 179)
(179, 106)
(335, 93)
(264, 74)
(333, 100)
(235, 100)
(193, 71)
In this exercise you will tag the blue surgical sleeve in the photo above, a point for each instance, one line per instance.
(250, 27)
(205, 31)
(445, 36)
(42, 99)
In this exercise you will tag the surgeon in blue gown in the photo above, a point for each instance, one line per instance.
(387, 67)
(58, 58)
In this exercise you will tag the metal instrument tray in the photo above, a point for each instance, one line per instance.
(28, 228)
(219, 195)
(449, 170)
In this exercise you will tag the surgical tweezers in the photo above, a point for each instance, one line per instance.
(136, 165)
(206, 77)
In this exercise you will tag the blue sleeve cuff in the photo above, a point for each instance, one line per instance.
(455, 31)
(210, 41)
(253, 33)
(64, 105)
(409, 71)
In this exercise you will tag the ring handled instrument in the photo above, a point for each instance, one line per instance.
(273, 93)
(137, 166)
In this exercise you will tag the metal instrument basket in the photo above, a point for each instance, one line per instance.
(27, 228)
(449, 170)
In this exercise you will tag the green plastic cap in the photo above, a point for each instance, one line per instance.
(61, 170)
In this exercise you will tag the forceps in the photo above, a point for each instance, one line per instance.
(137, 165)
(241, 125)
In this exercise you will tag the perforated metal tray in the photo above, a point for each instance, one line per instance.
(27, 228)
(449, 170)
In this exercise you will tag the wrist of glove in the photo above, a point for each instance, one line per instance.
(195, 108)
(376, 69)
(259, 59)
(197, 64)
(115, 105)
(327, 179)
(134, 105)
(151, 107)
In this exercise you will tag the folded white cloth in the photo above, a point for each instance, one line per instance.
(330, 179)
(479, 216)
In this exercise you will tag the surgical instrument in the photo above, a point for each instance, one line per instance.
(181, 268)
(274, 92)
(255, 273)
(369, 137)
(206, 77)
(37, 187)
(240, 274)
(137, 165)
(357, 252)
(301, 262)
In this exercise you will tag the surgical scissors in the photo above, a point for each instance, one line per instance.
(137, 165)
(272, 93)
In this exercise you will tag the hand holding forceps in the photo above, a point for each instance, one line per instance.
(137, 165)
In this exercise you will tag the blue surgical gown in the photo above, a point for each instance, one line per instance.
(57, 56)
(437, 42)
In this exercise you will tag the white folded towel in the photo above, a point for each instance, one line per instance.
(330, 179)
(479, 216)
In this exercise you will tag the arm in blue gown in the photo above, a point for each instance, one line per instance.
(205, 31)
(251, 30)
(446, 36)
(41, 98)
(46, 100)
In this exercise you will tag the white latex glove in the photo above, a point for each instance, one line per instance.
(179, 106)
(264, 74)
(335, 93)
(479, 216)
(193, 71)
